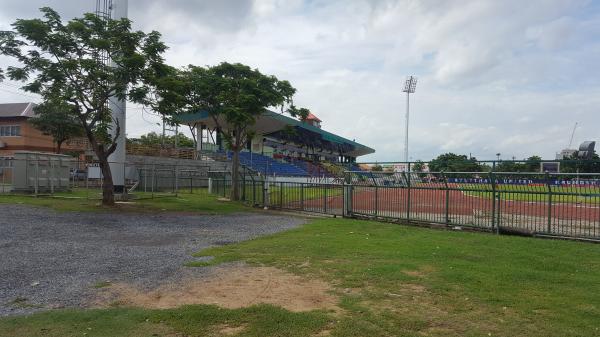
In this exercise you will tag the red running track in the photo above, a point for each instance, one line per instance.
(430, 205)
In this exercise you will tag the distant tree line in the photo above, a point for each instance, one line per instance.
(155, 139)
(451, 162)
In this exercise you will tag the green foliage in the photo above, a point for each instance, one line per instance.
(235, 95)
(531, 164)
(59, 120)
(450, 162)
(66, 62)
(418, 166)
(574, 165)
(377, 168)
(154, 139)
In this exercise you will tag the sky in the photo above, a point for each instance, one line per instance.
(508, 77)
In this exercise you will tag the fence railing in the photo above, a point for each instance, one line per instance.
(553, 204)
(68, 177)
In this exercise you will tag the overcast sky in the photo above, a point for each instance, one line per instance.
(509, 77)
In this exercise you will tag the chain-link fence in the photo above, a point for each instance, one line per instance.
(62, 176)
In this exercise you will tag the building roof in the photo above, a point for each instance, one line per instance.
(312, 117)
(271, 122)
(8, 110)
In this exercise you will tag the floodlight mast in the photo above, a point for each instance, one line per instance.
(409, 88)
(115, 10)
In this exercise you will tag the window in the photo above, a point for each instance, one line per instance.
(10, 131)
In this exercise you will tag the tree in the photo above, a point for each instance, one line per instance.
(57, 120)
(418, 166)
(235, 95)
(451, 162)
(68, 63)
(532, 164)
(153, 138)
(574, 164)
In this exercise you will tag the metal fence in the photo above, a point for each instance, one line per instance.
(530, 203)
(80, 179)
(552, 204)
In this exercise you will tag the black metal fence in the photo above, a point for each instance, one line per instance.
(552, 204)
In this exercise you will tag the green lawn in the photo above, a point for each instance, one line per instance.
(89, 200)
(391, 280)
(294, 193)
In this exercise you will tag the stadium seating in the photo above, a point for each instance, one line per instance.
(311, 168)
(269, 166)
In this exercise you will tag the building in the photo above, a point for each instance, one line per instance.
(17, 134)
(283, 145)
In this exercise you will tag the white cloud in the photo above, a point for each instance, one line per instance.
(494, 76)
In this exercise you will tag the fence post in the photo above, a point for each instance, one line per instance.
(266, 197)
(376, 200)
(493, 182)
(325, 186)
(51, 162)
(549, 203)
(87, 181)
(281, 195)
(244, 184)
(176, 179)
(301, 196)
(153, 179)
(447, 215)
(210, 186)
(407, 177)
(347, 195)
(37, 176)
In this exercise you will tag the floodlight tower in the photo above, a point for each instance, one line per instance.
(409, 88)
(116, 10)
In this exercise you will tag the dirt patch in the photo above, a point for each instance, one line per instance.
(228, 287)
(421, 272)
(226, 330)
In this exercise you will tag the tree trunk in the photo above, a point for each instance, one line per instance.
(235, 174)
(108, 195)
(58, 146)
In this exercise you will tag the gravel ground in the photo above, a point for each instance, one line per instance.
(53, 260)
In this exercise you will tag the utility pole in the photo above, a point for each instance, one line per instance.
(409, 88)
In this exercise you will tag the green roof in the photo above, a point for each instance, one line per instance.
(289, 121)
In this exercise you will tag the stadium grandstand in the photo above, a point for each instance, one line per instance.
(282, 146)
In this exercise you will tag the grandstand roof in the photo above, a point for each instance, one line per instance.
(312, 117)
(271, 121)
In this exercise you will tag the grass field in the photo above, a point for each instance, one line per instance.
(565, 194)
(294, 193)
(89, 200)
(391, 280)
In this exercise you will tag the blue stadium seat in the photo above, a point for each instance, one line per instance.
(268, 166)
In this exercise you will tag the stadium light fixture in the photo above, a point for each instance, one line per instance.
(409, 88)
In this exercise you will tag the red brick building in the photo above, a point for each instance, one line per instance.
(17, 134)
